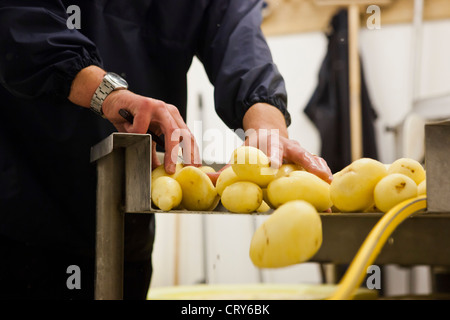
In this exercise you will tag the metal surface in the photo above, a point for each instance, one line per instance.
(110, 227)
(115, 141)
(138, 167)
(420, 240)
(123, 168)
(437, 163)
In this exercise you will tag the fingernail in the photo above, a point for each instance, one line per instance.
(170, 169)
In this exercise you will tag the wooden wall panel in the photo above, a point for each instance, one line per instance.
(297, 16)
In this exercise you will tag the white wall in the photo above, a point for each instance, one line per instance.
(215, 248)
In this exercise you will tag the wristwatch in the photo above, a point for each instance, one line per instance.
(110, 83)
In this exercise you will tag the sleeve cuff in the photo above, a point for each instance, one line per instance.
(275, 101)
(66, 72)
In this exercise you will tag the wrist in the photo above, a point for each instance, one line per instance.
(84, 85)
(265, 116)
(110, 83)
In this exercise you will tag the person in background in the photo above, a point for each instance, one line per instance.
(61, 91)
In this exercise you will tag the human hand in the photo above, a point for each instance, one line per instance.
(160, 118)
(281, 150)
(148, 114)
(266, 129)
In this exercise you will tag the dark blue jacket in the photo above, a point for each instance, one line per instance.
(47, 184)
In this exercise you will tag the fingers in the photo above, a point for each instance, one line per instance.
(155, 159)
(275, 152)
(157, 116)
(213, 176)
(171, 144)
(279, 149)
(312, 163)
(191, 153)
(166, 119)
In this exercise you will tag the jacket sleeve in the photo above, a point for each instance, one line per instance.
(238, 61)
(39, 54)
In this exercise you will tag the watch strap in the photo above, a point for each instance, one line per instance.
(102, 91)
(108, 85)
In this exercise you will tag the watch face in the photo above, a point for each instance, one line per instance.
(117, 80)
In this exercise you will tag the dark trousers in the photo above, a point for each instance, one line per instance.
(29, 272)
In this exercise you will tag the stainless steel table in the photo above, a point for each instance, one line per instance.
(124, 177)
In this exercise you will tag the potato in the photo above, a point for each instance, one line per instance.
(242, 196)
(393, 189)
(264, 207)
(286, 170)
(373, 208)
(266, 198)
(291, 234)
(207, 169)
(166, 193)
(251, 164)
(301, 186)
(409, 167)
(226, 177)
(214, 204)
(352, 188)
(160, 171)
(199, 193)
(422, 188)
(295, 173)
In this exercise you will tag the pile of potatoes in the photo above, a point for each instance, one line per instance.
(248, 185)
(367, 185)
(188, 188)
(293, 232)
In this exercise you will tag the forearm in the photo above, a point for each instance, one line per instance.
(84, 85)
(265, 116)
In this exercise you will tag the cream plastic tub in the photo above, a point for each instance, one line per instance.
(253, 292)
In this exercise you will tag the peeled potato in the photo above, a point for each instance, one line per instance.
(207, 169)
(264, 207)
(266, 198)
(160, 171)
(226, 177)
(199, 193)
(251, 164)
(286, 170)
(409, 167)
(301, 186)
(295, 173)
(242, 196)
(352, 188)
(393, 189)
(372, 208)
(291, 234)
(422, 188)
(166, 193)
(214, 204)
